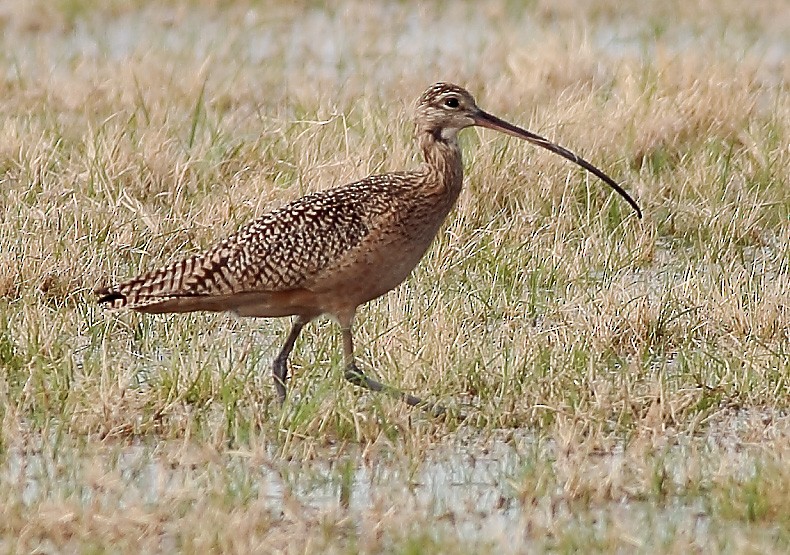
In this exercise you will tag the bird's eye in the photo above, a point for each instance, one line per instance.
(451, 102)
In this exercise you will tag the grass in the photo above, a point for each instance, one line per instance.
(627, 382)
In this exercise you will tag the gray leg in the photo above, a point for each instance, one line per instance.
(280, 365)
(358, 378)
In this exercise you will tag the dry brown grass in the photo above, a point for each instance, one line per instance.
(627, 382)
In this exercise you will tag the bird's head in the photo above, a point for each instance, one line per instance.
(445, 109)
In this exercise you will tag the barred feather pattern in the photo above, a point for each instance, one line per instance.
(285, 249)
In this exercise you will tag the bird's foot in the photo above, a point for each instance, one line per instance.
(355, 376)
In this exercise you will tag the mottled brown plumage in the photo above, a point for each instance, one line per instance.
(331, 251)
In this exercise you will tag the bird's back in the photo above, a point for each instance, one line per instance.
(308, 245)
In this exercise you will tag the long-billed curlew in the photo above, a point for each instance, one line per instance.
(331, 251)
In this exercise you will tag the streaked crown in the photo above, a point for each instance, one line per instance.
(445, 106)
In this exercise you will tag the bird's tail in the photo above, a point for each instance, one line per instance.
(166, 289)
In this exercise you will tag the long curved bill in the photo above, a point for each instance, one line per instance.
(484, 119)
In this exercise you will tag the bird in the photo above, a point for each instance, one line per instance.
(332, 251)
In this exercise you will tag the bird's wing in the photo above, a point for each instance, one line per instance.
(280, 251)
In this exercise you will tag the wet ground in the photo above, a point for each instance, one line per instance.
(482, 487)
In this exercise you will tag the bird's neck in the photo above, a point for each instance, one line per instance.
(442, 161)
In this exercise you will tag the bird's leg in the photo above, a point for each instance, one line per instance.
(280, 365)
(354, 375)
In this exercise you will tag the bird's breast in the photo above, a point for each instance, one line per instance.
(382, 261)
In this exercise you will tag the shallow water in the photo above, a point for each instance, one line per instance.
(326, 43)
(477, 486)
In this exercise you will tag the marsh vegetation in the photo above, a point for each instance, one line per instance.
(627, 381)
